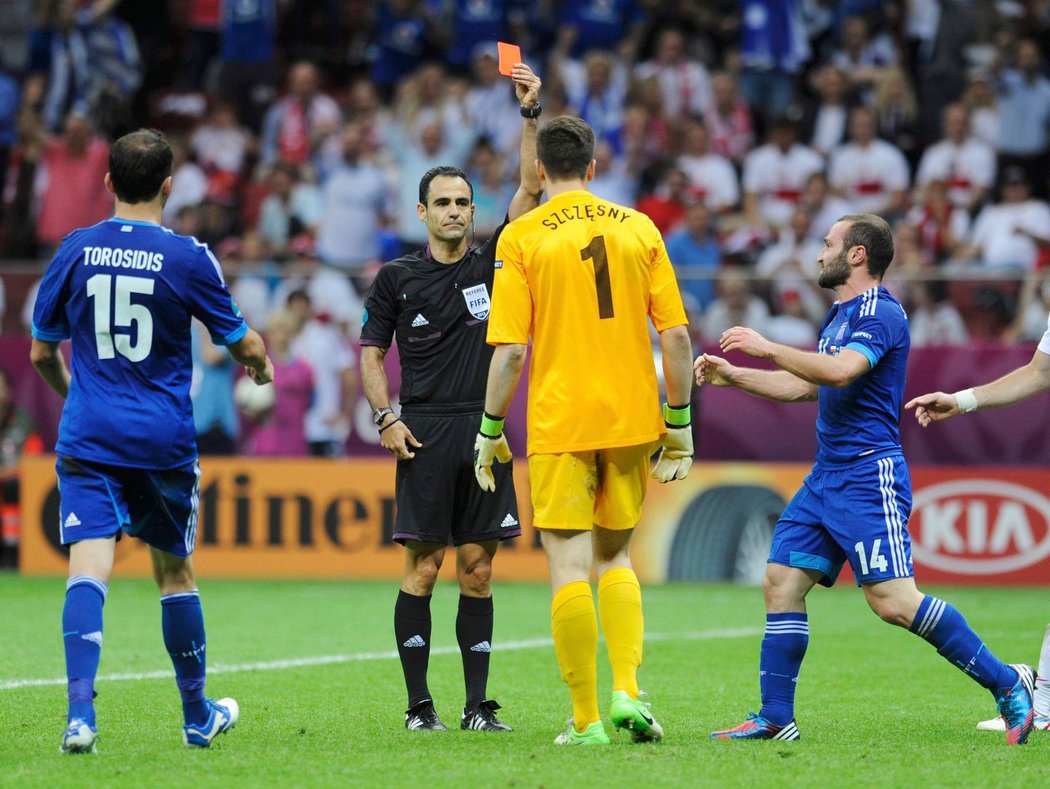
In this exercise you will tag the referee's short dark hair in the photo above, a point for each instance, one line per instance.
(565, 146)
(138, 164)
(441, 171)
(874, 234)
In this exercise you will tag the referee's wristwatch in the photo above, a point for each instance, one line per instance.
(380, 414)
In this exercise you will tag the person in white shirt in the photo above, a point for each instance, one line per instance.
(825, 208)
(791, 264)
(869, 172)
(736, 305)
(684, 82)
(1008, 234)
(964, 162)
(712, 177)
(932, 317)
(775, 175)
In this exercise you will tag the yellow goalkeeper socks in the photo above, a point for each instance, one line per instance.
(620, 604)
(574, 625)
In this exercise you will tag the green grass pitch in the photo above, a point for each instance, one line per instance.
(313, 667)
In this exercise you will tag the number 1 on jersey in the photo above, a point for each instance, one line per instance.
(596, 251)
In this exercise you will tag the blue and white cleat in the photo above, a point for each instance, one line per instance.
(222, 716)
(758, 728)
(1015, 705)
(80, 737)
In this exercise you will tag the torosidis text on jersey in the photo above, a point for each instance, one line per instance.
(115, 257)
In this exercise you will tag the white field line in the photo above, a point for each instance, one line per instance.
(359, 657)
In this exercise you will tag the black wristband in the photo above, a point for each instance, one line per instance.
(531, 112)
(388, 424)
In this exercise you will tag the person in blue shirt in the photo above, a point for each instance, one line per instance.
(124, 293)
(854, 504)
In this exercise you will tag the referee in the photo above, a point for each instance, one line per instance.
(436, 301)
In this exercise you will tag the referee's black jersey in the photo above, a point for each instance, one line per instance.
(439, 313)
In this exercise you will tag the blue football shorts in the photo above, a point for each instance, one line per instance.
(858, 513)
(158, 506)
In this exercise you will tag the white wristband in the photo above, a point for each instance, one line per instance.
(966, 400)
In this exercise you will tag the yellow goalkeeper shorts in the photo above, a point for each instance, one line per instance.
(575, 490)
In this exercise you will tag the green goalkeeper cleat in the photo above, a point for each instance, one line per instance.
(633, 715)
(592, 735)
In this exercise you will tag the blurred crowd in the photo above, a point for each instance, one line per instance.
(744, 128)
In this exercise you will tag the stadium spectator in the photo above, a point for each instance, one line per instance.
(825, 208)
(1033, 306)
(472, 23)
(647, 133)
(667, 204)
(825, 118)
(281, 430)
(245, 70)
(854, 504)
(960, 159)
(712, 177)
(74, 164)
(940, 225)
(214, 414)
(863, 58)
(897, 114)
(297, 123)
(695, 252)
(18, 437)
(596, 88)
(870, 173)
(735, 305)
(1009, 235)
(612, 182)
(492, 193)
(201, 42)
(322, 344)
(291, 209)
(775, 175)
(588, 473)
(254, 276)
(683, 80)
(23, 183)
(1023, 97)
(128, 459)
(407, 33)
(440, 337)
(609, 25)
(220, 143)
(10, 101)
(980, 102)
(729, 120)
(189, 183)
(790, 264)
(791, 324)
(773, 49)
(355, 205)
(429, 98)
(932, 318)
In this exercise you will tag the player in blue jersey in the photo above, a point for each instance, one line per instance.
(854, 504)
(124, 293)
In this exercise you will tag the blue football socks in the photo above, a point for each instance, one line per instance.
(82, 634)
(183, 624)
(945, 628)
(783, 648)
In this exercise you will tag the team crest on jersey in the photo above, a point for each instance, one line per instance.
(477, 297)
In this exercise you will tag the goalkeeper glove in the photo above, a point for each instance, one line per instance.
(676, 448)
(490, 445)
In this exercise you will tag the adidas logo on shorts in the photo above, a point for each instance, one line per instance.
(508, 522)
(419, 320)
(415, 641)
(71, 520)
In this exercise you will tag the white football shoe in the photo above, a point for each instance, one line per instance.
(993, 724)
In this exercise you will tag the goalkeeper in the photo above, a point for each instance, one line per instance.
(583, 277)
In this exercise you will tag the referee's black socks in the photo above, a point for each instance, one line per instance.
(412, 630)
(474, 633)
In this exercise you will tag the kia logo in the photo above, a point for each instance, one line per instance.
(980, 527)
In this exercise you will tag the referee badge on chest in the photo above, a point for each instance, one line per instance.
(477, 297)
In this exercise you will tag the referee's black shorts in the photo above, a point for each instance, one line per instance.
(438, 497)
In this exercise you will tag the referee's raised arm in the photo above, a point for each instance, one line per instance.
(527, 89)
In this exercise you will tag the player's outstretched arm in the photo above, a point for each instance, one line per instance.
(1017, 385)
(527, 89)
(250, 351)
(777, 385)
(48, 360)
(816, 368)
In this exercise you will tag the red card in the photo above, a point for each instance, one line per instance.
(509, 56)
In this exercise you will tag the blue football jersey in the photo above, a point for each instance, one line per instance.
(863, 419)
(124, 293)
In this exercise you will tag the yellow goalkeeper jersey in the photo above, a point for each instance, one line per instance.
(582, 277)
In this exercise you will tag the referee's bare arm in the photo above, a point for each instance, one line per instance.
(527, 89)
(394, 434)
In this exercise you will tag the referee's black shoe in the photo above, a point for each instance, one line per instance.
(423, 717)
(482, 717)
